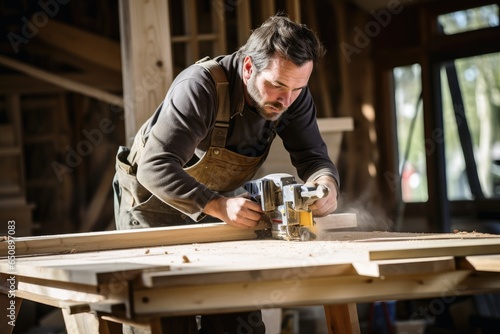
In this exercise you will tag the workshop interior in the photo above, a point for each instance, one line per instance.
(407, 99)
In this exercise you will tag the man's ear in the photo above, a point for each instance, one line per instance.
(247, 68)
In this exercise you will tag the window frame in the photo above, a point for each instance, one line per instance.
(431, 50)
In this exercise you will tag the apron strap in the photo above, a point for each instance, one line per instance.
(219, 133)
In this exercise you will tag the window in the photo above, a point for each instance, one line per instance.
(410, 133)
(471, 113)
(468, 20)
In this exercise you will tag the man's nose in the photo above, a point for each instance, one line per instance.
(285, 98)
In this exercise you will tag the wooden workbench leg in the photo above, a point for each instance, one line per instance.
(342, 319)
(11, 306)
(84, 323)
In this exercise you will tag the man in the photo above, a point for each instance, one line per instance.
(185, 175)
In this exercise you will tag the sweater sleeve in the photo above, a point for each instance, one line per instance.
(301, 137)
(187, 114)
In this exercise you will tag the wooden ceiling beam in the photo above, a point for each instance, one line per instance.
(82, 44)
(62, 82)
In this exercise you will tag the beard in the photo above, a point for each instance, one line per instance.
(257, 102)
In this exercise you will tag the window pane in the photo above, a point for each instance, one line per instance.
(479, 88)
(410, 133)
(470, 19)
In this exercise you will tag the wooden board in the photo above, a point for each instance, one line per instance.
(165, 264)
(489, 263)
(127, 239)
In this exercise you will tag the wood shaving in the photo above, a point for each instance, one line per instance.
(185, 259)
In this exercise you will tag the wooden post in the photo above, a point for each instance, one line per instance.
(80, 323)
(146, 59)
(342, 319)
(244, 21)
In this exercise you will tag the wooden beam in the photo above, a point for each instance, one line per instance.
(82, 44)
(149, 237)
(244, 26)
(490, 263)
(61, 81)
(219, 26)
(231, 297)
(146, 59)
(435, 248)
(342, 319)
(293, 10)
(268, 9)
(107, 240)
(191, 31)
(81, 323)
(20, 83)
(412, 266)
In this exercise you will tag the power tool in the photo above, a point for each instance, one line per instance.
(286, 205)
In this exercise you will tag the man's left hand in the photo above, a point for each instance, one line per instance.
(327, 204)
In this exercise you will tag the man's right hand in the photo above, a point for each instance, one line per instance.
(235, 211)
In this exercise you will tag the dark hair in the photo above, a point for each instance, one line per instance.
(291, 40)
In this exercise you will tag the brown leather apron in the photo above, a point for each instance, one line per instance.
(219, 169)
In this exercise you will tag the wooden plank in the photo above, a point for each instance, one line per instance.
(72, 307)
(384, 268)
(134, 323)
(62, 293)
(125, 239)
(428, 248)
(489, 263)
(87, 272)
(146, 59)
(335, 221)
(342, 319)
(219, 276)
(81, 44)
(306, 291)
(61, 81)
(81, 323)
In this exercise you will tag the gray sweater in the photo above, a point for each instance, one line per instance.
(177, 134)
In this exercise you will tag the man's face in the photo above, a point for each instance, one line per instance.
(274, 89)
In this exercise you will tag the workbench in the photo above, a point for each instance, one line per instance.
(103, 279)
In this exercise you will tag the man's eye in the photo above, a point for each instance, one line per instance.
(275, 86)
